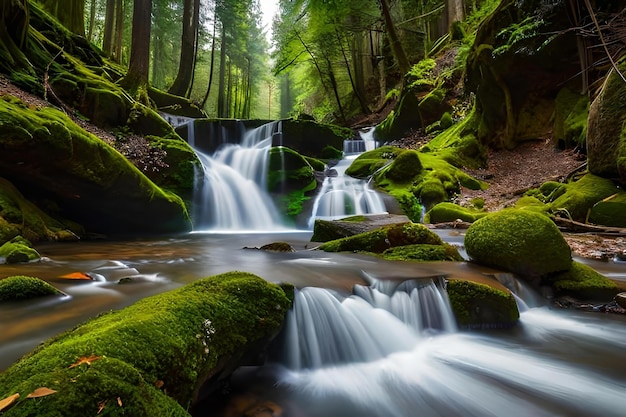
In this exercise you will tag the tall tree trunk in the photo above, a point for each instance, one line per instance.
(221, 89)
(346, 61)
(285, 96)
(333, 83)
(394, 40)
(109, 26)
(139, 65)
(187, 51)
(208, 89)
(119, 31)
(14, 26)
(196, 18)
(92, 19)
(455, 11)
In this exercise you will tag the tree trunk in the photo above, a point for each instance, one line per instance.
(208, 89)
(109, 25)
(138, 68)
(355, 89)
(119, 31)
(221, 89)
(187, 51)
(394, 40)
(196, 45)
(92, 19)
(14, 25)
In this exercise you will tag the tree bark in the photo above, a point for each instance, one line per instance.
(109, 25)
(187, 51)
(394, 40)
(14, 26)
(71, 13)
(139, 65)
(119, 31)
(221, 92)
(208, 89)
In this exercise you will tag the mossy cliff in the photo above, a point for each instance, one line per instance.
(153, 358)
(47, 156)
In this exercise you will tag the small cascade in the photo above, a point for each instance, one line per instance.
(230, 192)
(325, 328)
(366, 142)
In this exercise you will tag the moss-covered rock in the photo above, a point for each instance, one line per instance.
(583, 282)
(366, 164)
(326, 230)
(401, 120)
(138, 360)
(405, 167)
(606, 132)
(478, 305)
(432, 106)
(520, 241)
(450, 212)
(570, 118)
(383, 238)
(19, 288)
(18, 250)
(611, 211)
(423, 252)
(100, 188)
(277, 247)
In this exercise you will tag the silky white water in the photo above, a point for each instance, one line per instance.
(231, 191)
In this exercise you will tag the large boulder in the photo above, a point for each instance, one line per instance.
(48, 156)
(20, 288)
(606, 130)
(154, 358)
(519, 241)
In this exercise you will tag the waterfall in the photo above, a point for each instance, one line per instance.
(231, 191)
(325, 328)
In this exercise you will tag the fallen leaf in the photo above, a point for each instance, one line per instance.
(119, 401)
(85, 359)
(41, 392)
(8, 401)
(159, 384)
(101, 406)
(77, 275)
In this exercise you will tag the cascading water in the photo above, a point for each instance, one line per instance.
(231, 190)
(392, 350)
(341, 195)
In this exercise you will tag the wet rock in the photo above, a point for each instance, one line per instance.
(620, 299)
(278, 247)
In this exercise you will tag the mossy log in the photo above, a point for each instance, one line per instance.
(153, 358)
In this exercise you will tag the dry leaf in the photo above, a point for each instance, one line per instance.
(119, 401)
(77, 275)
(85, 359)
(101, 406)
(41, 392)
(8, 402)
(159, 384)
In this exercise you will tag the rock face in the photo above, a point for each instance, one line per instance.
(44, 152)
(606, 130)
(519, 241)
(153, 358)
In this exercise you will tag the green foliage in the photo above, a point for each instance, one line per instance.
(19, 287)
(479, 305)
(520, 241)
(174, 340)
(516, 33)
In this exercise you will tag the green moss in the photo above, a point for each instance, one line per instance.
(19, 287)
(570, 118)
(611, 211)
(432, 192)
(577, 198)
(366, 164)
(479, 305)
(330, 152)
(582, 281)
(315, 163)
(449, 212)
(432, 106)
(174, 341)
(405, 167)
(18, 250)
(519, 241)
(383, 238)
(423, 252)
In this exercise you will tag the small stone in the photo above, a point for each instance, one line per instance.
(620, 299)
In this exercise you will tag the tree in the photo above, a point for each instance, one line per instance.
(14, 25)
(189, 44)
(139, 65)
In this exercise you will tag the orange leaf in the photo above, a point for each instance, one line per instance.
(85, 359)
(101, 406)
(76, 275)
(41, 392)
(8, 402)
(159, 384)
(119, 401)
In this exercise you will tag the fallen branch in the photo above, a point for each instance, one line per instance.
(572, 226)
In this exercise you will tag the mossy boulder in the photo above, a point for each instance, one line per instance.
(519, 241)
(383, 238)
(400, 121)
(277, 247)
(312, 139)
(18, 250)
(433, 106)
(19, 288)
(450, 212)
(368, 163)
(570, 118)
(606, 131)
(423, 252)
(610, 211)
(326, 230)
(19, 216)
(154, 358)
(405, 167)
(477, 305)
(41, 148)
(583, 282)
